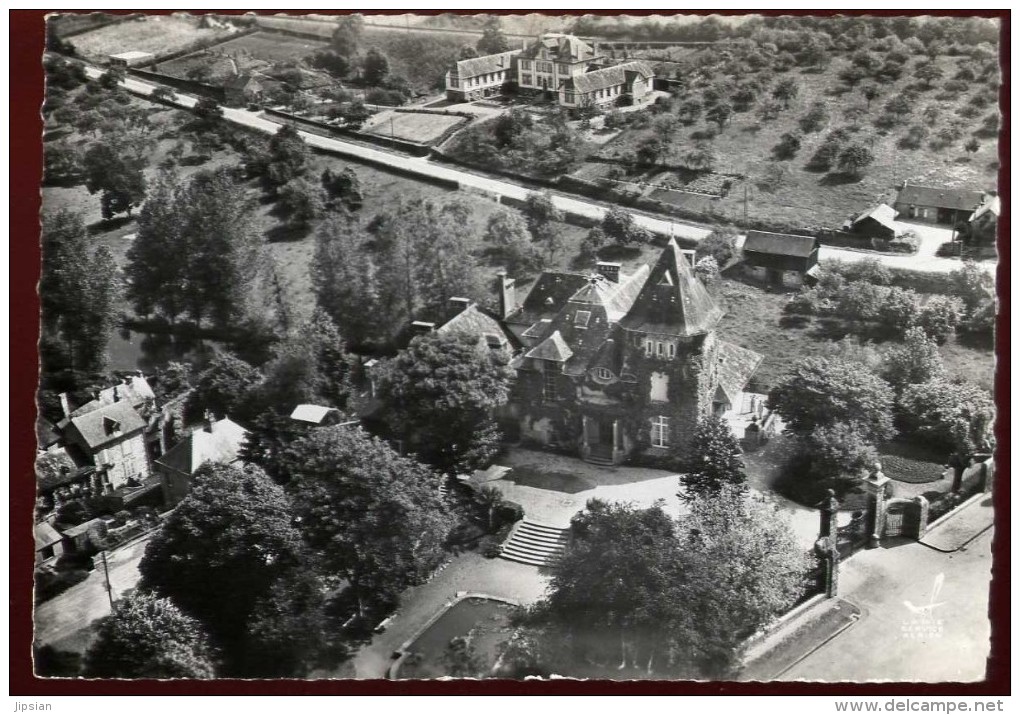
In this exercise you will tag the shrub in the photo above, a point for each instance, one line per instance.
(720, 245)
(788, 146)
(385, 97)
(900, 308)
(838, 451)
(940, 317)
(707, 270)
(870, 270)
(804, 303)
(815, 119)
(947, 415)
(509, 512)
(490, 547)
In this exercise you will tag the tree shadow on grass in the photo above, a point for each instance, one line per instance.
(794, 322)
(616, 252)
(285, 233)
(112, 224)
(838, 178)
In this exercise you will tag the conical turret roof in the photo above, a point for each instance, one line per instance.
(673, 300)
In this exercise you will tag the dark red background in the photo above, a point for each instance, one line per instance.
(26, 77)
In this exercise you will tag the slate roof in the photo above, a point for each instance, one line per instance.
(883, 214)
(94, 426)
(608, 77)
(946, 198)
(83, 528)
(672, 300)
(779, 244)
(134, 390)
(552, 348)
(736, 366)
(475, 321)
(547, 297)
(220, 446)
(564, 48)
(46, 535)
(56, 467)
(487, 63)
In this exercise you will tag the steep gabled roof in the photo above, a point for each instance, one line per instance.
(779, 244)
(673, 301)
(313, 414)
(565, 48)
(552, 348)
(107, 424)
(941, 197)
(56, 467)
(484, 65)
(883, 214)
(46, 535)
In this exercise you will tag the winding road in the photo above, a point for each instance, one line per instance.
(924, 261)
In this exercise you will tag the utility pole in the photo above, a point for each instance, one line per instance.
(745, 204)
(106, 573)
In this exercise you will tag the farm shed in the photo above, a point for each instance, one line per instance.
(878, 222)
(780, 258)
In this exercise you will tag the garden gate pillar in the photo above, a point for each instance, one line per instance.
(827, 511)
(875, 485)
(825, 547)
(922, 516)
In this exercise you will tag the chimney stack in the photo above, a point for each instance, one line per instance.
(611, 271)
(507, 291)
(422, 327)
(459, 304)
(689, 255)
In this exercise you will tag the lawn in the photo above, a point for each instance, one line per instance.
(271, 47)
(796, 197)
(421, 128)
(912, 463)
(251, 53)
(158, 34)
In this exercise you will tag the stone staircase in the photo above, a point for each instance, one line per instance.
(535, 544)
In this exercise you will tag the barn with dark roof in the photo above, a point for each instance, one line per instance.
(780, 258)
(948, 206)
(623, 365)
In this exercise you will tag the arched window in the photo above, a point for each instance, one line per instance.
(603, 373)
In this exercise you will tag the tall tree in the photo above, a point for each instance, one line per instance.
(226, 260)
(947, 415)
(288, 156)
(156, 269)
(347, 35)
(374, 67)
(492, 41)
(508, 234)
(376, 518)
(914, 361)
(222, 550)
(344, 277)
(440, 395)
(149, 637)
(78, 289)
(222, 388)
(542, 217)
(821, 391)
(117, 175)
(711, 461)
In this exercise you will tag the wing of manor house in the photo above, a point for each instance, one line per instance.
(562, 67)
(616, 366)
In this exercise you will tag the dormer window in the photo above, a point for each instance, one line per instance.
(110, 425)
(581, 318)
(495, 342)
(603, 374)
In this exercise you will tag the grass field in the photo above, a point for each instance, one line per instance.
(250, 53)
(158, 34)
(798, 197)
(755, 319)
(422, 128)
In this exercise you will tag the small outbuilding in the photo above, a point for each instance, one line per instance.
(780, 258)
(877, 222)
(132, 58)
(937, 204)
(244, 89)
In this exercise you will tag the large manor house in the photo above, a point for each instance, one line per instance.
(560, 67)
(614, 366)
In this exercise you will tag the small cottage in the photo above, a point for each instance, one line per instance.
(219, 443)
(937, 205)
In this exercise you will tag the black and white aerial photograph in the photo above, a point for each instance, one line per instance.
(517, 347)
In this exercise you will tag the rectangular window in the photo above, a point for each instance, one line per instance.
(660, 431)
(660, 349)
(525, 64)
(670, 350)
(564, 69)
(526, 79)
(649, 348)
(549, 384)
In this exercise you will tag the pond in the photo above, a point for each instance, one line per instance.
(136, 350)
(485, 621)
